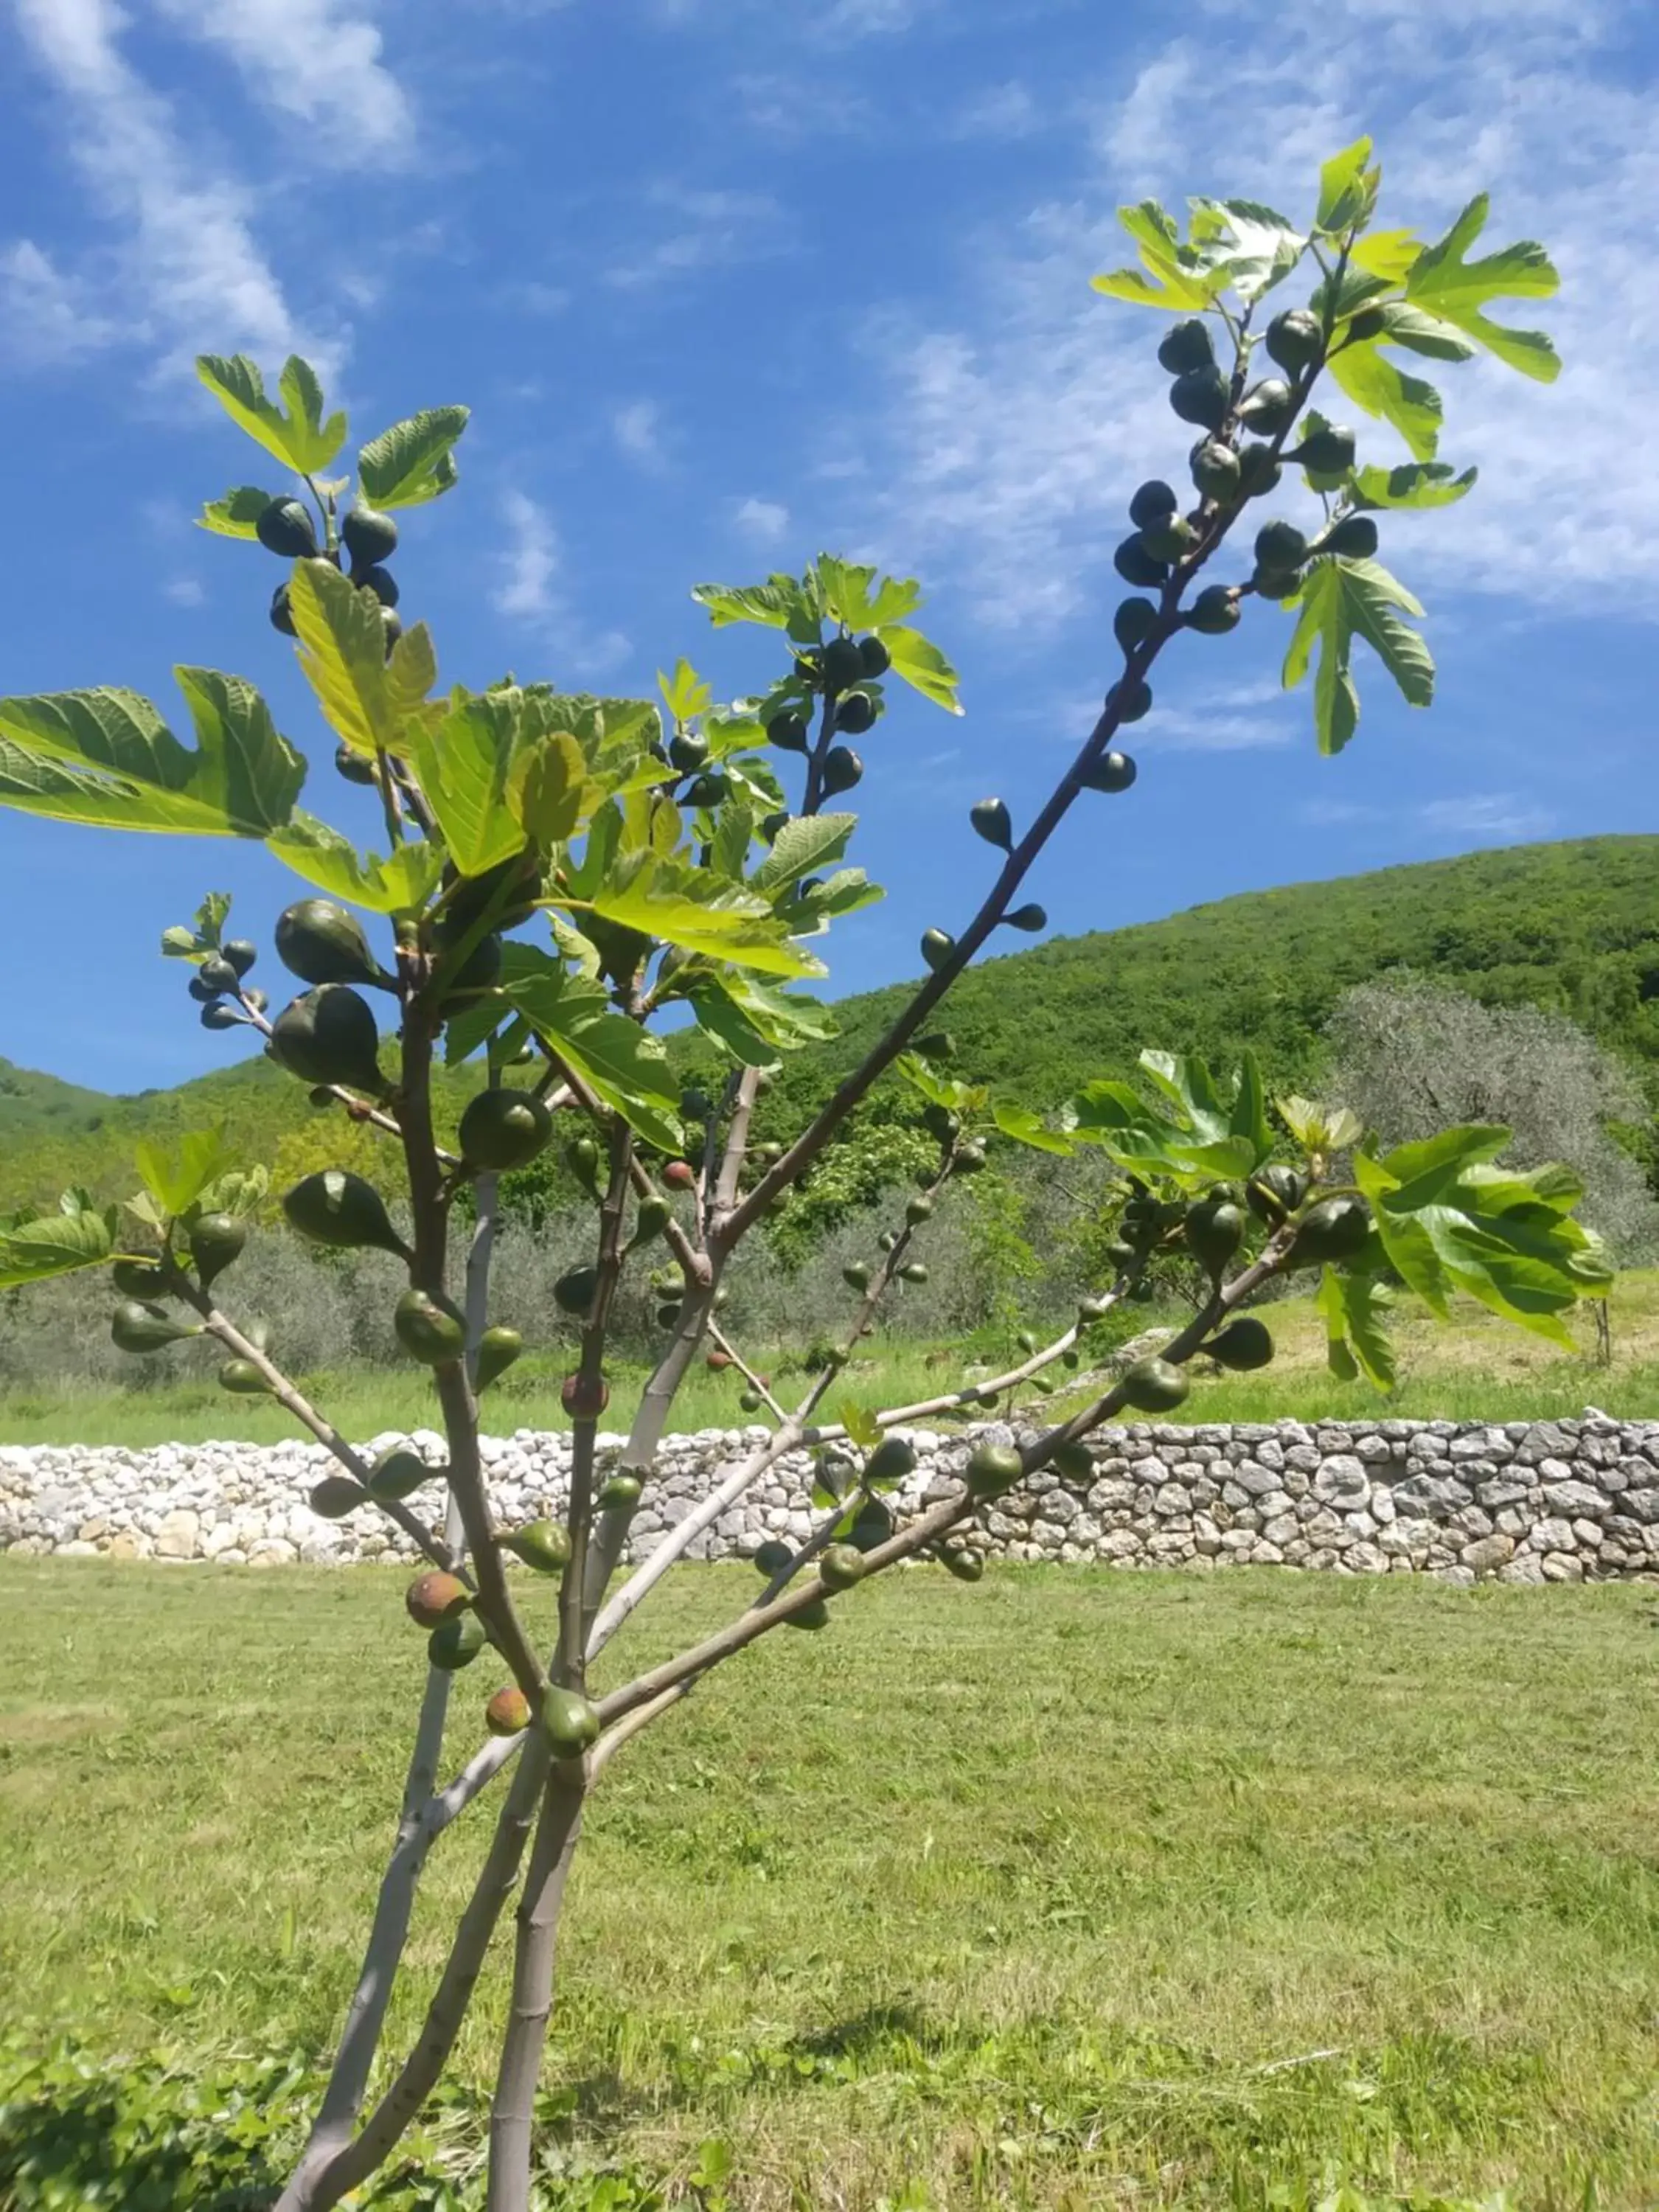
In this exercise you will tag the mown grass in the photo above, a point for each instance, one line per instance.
(1077, 1889)
(1471, 1368)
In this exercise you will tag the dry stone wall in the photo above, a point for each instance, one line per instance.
(1548, 1501)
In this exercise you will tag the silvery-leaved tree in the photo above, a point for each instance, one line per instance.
(561, 870)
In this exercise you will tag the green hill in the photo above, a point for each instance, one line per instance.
(1571, 926)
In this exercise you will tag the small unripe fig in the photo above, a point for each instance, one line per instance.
(1113, 772)
(1186, 346)
(1151, 503)
(874, 658)
(285, 528)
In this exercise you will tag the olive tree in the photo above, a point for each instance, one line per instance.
(562, 870)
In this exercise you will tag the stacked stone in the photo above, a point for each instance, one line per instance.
(1521, 1502)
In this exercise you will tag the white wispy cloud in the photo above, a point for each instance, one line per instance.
(531, 591)
(1021, 423)
(706, 230)
(191, 273)
(321, 61)
(47, 318)
(184, 592)
(1001, 111)
(1486, 814)
(636, 428)
(765, 520)
(1226, 719)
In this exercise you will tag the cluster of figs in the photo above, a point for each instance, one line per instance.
(1238, 458)
(140, 1323)
(840, 672)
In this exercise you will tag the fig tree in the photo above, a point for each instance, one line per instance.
(841, 1566)
(140, 1328)
(990, 819)
(215, 1239)
(893, 1458)
(1214, 612)
(1280, 548)
(334, 1206)
(368, 536)
(1244, 1345)
(1112, 772)
(1216, 471)
(1326, 452)
(1201, 396)
(1336, 1229)
(992, 1469)
(937, 946)
(1171, 538)
(501, 1128)
(774, 1558)
(285, 528)
(1131, 701)
(1134, 622)
(322, 942)
(1294, 339)
(328, 1035)
(435, 1597)
(398, 1473)
(1214, 1230)
(843, 768)
(1153, 1386)
(336, 1495)
(498, 1348)
(1136, 565)
(789, 732)
(620, 1494)
(508, 1712)
(569, 1722)
(1275, 1191)
(456, 1643)
(543, 1545)
(1151, 503)
(874, 658)
(1268, 407)
(1186, 346)
(428, 1328)
(1354, 537)
(243, 1379)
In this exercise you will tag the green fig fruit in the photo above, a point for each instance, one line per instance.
(920, 1209)
(433, 1598)
(1369, 322)
(368, 536)
(688, 751)
(328, 1035)
(1153, 1386)
(790, 732)
(1244, 1345)
(913, 1271)
(970, 1160)
(1134, 624)
(139, 1328)
(217, 975)
(1029, 918)
(501, 1130)
(893, 1458)
(380, 581)
(1268, 407)
(621, 1494)
(392, 629)
(842, 769)
(1214, 1230)
(334, 1206)
(1136, 565)
(937, 946)
(1186, 346)
(1275, 1191)
(855, 713)
(1201, 396)
(815, 1614)
(1130, 701)
(240, 954)
(576, 1290)
(282, 611)
(1294, 339)
(1025, 1341)
(508, 1712)
(1112, 772)
(336, 1495)
(873, 1524)
(751, 1400)
(993, 1469)
(1151, 503)
(774, 1558)
(1216, 472)
(711, 789)
(498, 1348)
(504, 896)
(990, 819)
(320, 941)
(142, 1279)
(1258, 472)
(874, 658)
(1274, 584)
(215, 1239)
(1214, 612)
(543, 1545)
(429, 1329)
(204, 992)
(1327, 453)
(962, 1561)
(1280, 547)
(651, 1218)
(398, 1473)
(284, 527)
(219, 1016)
(1074, 1461)
(243, 1379)
(1336, 1229)
(1171, 538)
(354, 767)
(582, 1156)
(456, 1643)
(843, 665)
(1355, 537)
(841, 1566)
(569, 1722)
(856, 1276)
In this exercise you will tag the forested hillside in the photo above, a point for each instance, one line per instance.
(1571, 926)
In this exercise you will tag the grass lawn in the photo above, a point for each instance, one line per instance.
(1471, 1368)
(1075, 1889)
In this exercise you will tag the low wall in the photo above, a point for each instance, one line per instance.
(1548, 1501)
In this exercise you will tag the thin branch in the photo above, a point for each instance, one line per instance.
(757, 1383)
(590, 1378)
(737, 1145)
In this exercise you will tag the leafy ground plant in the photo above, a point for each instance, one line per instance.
(651, 845)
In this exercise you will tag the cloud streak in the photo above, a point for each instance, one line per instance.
(531, 591)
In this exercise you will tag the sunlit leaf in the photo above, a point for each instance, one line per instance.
(236, 514)
(1340, 600)
(414, 461)
(295, 433)
(54, 1245)
(1457, 291)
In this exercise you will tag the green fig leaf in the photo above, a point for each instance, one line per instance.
(295, 433)
(316, 851)
(919, 661)
(1371, 381)
(862, 1427)
(106, 757)
(1417, 485)
(684, 694)
(55, 1245)
(1348, 187)
(237, 514)
(772, 605)
(1355, 1307)
(175, 1179)
(1253, 247)
(1456, 290)
(414, 461)
(805, 843)
(1173, 277)
(371, 702)
(181, 943)
(698, 911)
(1027, 1129)
(628, 1069)
(1341, 599)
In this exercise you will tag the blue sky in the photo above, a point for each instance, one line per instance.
(728, 281)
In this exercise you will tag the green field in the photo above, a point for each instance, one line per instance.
(1077, 1889)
